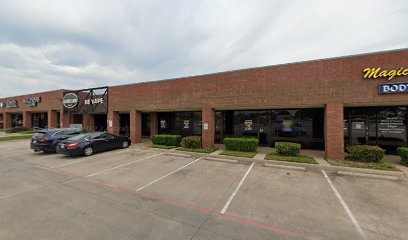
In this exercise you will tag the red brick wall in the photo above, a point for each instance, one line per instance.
(49, 100)
(113, 116)
(307, 84)
(136, 126)
(334, 131)
(208, 116)
(154, 124)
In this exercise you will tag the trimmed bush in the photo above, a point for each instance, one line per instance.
(241, 144)
(166, 139)
(403, 153)
(365, 153)
(191, 142)
(287, 148)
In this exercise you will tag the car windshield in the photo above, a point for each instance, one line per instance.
(79, 137)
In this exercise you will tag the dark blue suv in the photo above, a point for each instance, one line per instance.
(47, 140)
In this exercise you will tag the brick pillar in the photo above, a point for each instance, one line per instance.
(154, 124)
(52, 118)
(65, 120)
(136, 126)
(208, 135)
(6, 120)
(113, 122)
(88, 123)
(27, 120)
(334, 131)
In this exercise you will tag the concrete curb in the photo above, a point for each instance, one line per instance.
(221, 160)
(368, 175)
(317, 168)
(285, 167)
(178, 155)
(360, 172)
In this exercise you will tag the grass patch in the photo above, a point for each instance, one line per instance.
(370, 165)
(28, 132)
(298, 158)
(162, 146)
(15, 137)
(239, 154)
(198, 150)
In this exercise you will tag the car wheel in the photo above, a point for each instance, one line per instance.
(125, 144)
(88, 151)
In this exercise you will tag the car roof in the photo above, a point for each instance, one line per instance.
(54, 130)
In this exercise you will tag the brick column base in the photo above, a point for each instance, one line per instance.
(154, 124)
(208, 134)
(88, 122)
(52, 118)
(113, 122)
(136, 126)
(27, 120)
(65, 120)
(333, 131)
(6, 120)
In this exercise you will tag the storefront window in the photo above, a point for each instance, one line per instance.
(182, 123)
(39, 120)
(16, 120)
(295, 125)
(383, 126)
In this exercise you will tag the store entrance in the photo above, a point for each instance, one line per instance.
(100, 122)
(124, 121)
(146, 124)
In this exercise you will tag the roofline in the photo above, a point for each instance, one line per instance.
(19, 96)
(266, 66)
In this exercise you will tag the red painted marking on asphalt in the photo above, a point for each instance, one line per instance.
(183, 205)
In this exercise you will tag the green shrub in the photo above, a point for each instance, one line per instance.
(287, 148)
(166, 139)
(191, 142)
(403, 152)
(365, 153)
(241, 144)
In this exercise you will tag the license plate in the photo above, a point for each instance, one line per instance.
(62, 146)
(34, 141)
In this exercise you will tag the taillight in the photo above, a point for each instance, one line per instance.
(72, 145)
(43, 139)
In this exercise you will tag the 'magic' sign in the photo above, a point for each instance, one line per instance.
(393, 88)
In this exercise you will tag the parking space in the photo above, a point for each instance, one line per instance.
(205, 184)
(380, 206)
(299, 201)
(145, 194)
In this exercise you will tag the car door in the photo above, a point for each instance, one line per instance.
(111, 141)
(99, 142)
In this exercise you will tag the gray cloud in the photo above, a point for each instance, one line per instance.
(47, 45)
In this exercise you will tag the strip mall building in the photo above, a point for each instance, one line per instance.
(324, 104)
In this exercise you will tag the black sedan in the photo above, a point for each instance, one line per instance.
(47, 139)
(89, 143)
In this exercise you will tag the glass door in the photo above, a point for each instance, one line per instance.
(359, 130)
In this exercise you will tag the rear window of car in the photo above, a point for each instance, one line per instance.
(40, 134)
(79, 137)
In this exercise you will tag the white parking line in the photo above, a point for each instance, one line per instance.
(122, 165)
(87, 159)
(188, 164)
(224, 209)
(346, 208)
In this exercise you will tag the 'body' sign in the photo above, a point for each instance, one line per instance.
(393, 88)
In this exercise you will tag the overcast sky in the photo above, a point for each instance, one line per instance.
(74, 44)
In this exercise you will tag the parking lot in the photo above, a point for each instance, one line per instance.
(139, 193)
